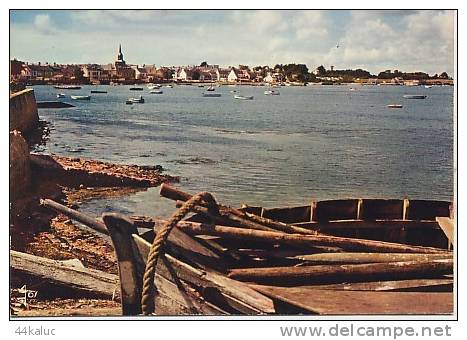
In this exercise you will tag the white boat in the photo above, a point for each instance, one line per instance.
(237, 96)
(211, 94)
(271, 93)
(154, 86)
(139, 100)
(81, 97)
(169, 86)
(67, 87)
(428, 86)
(61, 95)
(414, 96)
(395, 106)
(211, 88)
(156, 92)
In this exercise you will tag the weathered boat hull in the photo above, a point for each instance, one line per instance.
(202, 271)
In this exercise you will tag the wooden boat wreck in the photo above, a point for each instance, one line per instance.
(335, 257)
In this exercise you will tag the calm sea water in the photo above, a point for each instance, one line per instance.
(314, 142)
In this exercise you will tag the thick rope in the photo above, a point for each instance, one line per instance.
(147, 298)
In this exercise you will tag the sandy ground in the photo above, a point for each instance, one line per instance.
(68, 307)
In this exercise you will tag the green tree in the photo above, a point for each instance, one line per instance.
(444, 75)
(195, 75)
(204, 64)
(168, 73)
(321, 70)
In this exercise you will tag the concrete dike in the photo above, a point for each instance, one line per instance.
(23, 111)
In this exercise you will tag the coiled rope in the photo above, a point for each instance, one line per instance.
(147, 298)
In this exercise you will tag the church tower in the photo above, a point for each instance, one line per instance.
(120, 61)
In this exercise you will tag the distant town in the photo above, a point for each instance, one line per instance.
(121, 72)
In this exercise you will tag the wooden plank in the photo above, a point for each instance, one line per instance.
(256, 302)
(344, 273)
(329, 226)
(347, 258)
(353, 244)
(442, 285)
(179, 299)
(76, 215)
(336, 210)
(428, 210)
(227, 215)
(191, 250)
(88, 282)
(388, 209)
(447, 225)
(288, 214)
(331, 302)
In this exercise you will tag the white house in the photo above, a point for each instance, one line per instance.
(185, 74)
(268, 78)
(232, 76)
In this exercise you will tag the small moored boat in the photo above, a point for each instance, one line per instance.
(211, 94)
(394, 106)
(154, 86)
(61, 95)
(211, 88)
(271, 93)
(67, 87)
(415, 96)
(136, 89)
(81, 97)
(156, 92)
(243, 97)
(139, 100)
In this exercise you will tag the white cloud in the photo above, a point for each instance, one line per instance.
(412, 41)
(310, 24)
(408, 40)
(260, 21)
(43, 24)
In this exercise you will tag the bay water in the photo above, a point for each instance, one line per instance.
(313, 142)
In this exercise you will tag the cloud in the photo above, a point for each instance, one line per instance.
(43, 24)
(310, 24)
(260, 21)
(374, 40)
(412, 41)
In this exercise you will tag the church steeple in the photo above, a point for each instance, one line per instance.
(120, 55)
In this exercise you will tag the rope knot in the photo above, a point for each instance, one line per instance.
(147, 298)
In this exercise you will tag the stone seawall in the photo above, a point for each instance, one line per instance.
(20, 168)
(23, 111)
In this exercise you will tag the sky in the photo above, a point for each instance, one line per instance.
(375, 40)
